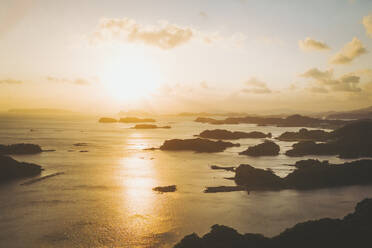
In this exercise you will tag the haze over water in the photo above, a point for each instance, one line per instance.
(105, 197)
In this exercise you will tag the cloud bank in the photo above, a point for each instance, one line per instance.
(163, 35)
(326, 82)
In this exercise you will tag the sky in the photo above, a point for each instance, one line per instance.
(169, 56)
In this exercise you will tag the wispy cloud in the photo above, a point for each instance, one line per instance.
(256, 86)
(77, 81)
(349, 52)
(10, 81)
(310, 44)
(367, 22)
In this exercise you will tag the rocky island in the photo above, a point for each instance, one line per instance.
(351, 141)
(267, 148)
(165, 189)
(305, 135)
(354, 230)
(196, 145)
(229, 135)
(20, 149)
(12, 169)
(309, 174)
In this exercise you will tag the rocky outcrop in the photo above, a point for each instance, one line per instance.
(305, 135)
(20, 149)
(224, 189)
(135, 120)
(226, 168)
(268, 148)
(229, 135)
(165, 189)
(197, 145)
(309, 174)
(12, 169)
(107, 120)
(354, 230)
(351, 141)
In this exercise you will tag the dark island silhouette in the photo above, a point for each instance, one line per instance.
(229, 135)
(305, 135)
(290, 121)
(12, 169)
(107, 120)
(19, 149)
(309, 174)
(267, 148)
(226, 168)
(165, 189)
(149, 126)
(196, 145)
(354, 230)
(354, 140)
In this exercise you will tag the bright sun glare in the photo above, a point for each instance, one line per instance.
(130, 78)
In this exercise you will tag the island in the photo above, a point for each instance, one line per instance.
(135, 120)
(305, 135)
(196, 145)
(107, 120)
(289, 121)
(12, 169)
(149, 126)
(353, 230)
(309, 174)
(165, 189)
(229, 135)
(354, 140)
(267, 148)
(20, 149)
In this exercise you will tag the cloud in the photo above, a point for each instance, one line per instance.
(78, 81)
(203, 14)
(256, 87)
(325, 81)
(349, 52)
(312, 45)
(367, 22)
(164, 35)
(10, 81)
(204, 85)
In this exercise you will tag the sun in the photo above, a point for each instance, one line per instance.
(128, 78)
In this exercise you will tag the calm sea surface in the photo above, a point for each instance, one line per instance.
(105, 198)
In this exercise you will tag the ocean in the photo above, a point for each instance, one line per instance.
(105, 197)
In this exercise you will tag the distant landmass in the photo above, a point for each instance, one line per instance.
(44, 111)
(363, 113)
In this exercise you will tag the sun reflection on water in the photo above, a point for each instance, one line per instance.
(145, 210)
